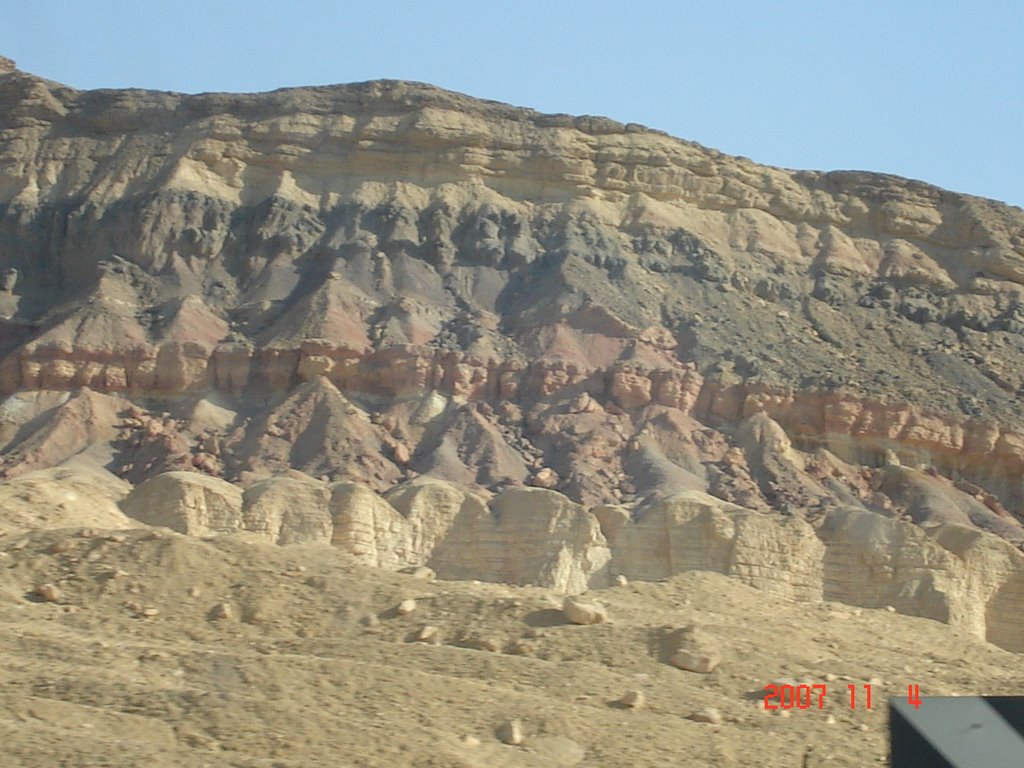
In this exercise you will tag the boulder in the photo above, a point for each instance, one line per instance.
(187, 502)
(579, 612)
(692, 650)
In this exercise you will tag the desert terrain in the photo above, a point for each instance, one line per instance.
(312, 666)
(317, 405)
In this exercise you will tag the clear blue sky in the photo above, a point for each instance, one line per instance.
(930, 90)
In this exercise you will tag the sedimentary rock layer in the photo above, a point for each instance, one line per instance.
(946, 572)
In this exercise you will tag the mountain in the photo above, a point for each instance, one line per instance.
(431, 331)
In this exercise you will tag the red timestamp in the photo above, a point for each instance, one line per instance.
(783, 696)
(810, 696)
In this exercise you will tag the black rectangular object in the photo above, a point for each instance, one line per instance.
(957, 732)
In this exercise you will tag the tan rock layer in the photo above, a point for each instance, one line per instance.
(949, 573)
(315, 144)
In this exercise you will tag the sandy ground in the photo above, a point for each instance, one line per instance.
(313, 667)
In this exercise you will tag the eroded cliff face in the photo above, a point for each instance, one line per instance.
(379, 282)
(951, 573)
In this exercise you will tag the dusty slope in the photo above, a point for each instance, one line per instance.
(295, 677)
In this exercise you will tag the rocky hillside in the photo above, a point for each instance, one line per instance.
(163, 650)
(371, 284)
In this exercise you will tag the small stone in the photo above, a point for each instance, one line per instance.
(371, 620)
(48, 593)
(194, 592)
(830, 677)
(222, 611)
(862, 727)
(890, 609)
(579, 612)
(694, 661)
(875, 681)
(707, 715)
(533, 633)
(471, 741)
(117, 538)
(87, 533)
(426, 634)
(59, 547)
(621, 580)
(511, 732)
(317, 582)
(149, 613)
(633, 700)
(422, 572)
(522, 648)
(831, 719)
(490, 644)
(405, 607)
(545, 478)
(784, 713)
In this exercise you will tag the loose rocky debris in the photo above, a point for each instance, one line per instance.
(579, 612)
(48, 593)
(633, 700)
(421, 572)
(707, 715)
(511, 732)
(298, 659)
(405, 607)
(692, 661)
(692, 650)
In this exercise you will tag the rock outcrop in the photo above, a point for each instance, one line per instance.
(187, 502)
(695, 531)
(948, 572)
(288, 510)
(526, 536)
(366, 526)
